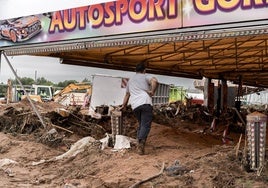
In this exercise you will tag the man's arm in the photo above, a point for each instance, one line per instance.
(154, 85)
(125, 101)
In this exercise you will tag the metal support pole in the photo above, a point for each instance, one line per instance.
(224, 95)
(219, 101)
(27, 95)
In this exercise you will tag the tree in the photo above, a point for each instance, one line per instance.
(30, 81)
(65, 83)
(24, 81)
(43, 81)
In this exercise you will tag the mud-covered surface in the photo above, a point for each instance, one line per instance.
(191, 153)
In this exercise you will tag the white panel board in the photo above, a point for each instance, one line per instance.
(107, 90)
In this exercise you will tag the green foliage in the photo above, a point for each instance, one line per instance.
(65, 83)
(24, 81)
(3, 90)
(30, 81)
(43, 81)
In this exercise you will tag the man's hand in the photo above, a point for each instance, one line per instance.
(121, 108)
(125, 102)
(150, 93)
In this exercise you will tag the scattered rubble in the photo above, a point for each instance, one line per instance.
(184, 149)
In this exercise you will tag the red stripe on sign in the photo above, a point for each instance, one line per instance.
(124, 82)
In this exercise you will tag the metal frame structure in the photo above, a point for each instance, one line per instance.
(234, 53)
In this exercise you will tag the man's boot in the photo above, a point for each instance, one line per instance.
(141, 146)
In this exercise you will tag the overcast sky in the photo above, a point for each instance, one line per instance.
(50, 68)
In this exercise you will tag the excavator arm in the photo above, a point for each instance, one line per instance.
(73, 87)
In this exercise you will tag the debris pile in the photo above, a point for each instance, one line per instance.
(19, 118)
(182, 149)
(63, 121)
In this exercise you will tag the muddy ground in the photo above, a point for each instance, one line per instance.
(181, 151)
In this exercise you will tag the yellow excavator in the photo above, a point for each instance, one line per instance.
(73, 94)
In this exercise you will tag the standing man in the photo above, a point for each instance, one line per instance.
(140, 89)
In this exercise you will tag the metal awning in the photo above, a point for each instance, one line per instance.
(230, 54)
